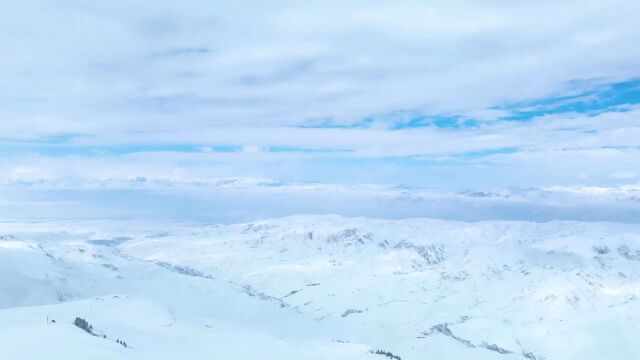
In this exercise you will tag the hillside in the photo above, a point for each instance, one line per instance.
(320, 287)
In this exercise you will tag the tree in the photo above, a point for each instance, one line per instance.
(83, 324)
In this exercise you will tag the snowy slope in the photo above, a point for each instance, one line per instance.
(320, 287)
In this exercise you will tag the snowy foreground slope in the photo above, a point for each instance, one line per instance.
(320, 287)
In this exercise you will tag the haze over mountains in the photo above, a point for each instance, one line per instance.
(229, 200)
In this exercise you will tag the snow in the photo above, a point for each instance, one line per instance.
(320, 287)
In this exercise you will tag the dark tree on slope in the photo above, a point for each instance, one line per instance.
(388, 354)
(83, 324)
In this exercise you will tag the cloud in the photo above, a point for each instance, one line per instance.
(444, 93)
(237, 200)
(286, 63)
(623, 175)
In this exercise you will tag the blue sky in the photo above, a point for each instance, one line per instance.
(447, 94)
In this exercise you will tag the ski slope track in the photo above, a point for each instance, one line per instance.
(320, 287)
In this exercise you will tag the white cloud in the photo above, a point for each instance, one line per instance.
(247, 75)
(623, 175)
(252, 149)
(258, 63)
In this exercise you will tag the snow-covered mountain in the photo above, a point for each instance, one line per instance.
(320, 287)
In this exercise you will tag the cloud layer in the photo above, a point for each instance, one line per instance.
(446, 93)
(239, 200)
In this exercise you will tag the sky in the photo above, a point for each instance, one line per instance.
(449, 94)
